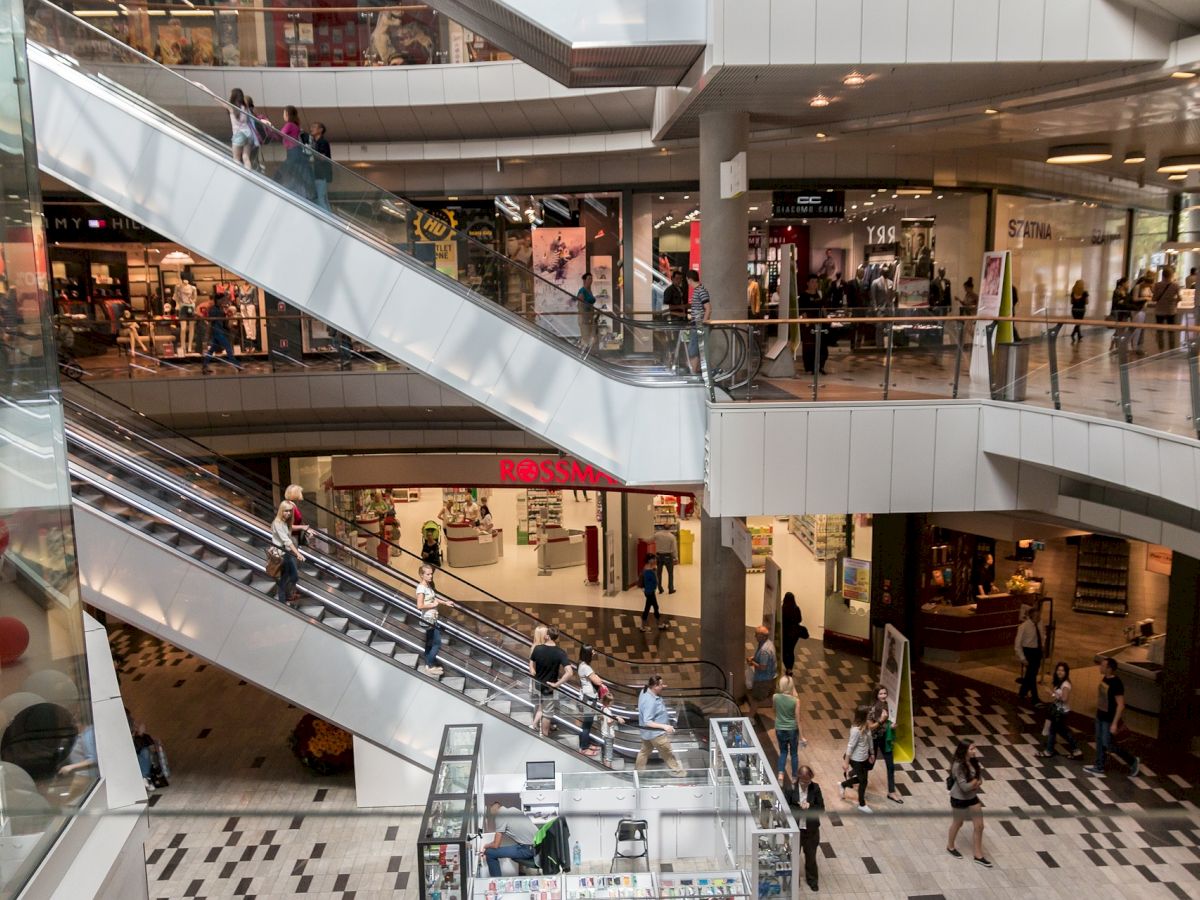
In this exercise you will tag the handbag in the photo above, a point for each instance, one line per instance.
(274, 562)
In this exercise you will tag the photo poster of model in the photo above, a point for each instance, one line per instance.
(827, 262)
(895, 674)
(559, 261)
(602, 288)
(228, 47)
(995, 296)
(915, 272)
(518, 279)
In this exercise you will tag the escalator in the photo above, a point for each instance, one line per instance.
(154, 146)
(177, 550)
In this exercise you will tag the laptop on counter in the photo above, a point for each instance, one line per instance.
(539, 776)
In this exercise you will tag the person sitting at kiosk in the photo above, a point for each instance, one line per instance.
(513, 837)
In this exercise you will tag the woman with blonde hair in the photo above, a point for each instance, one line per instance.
(300, 531)
(540, 634)
(281, 537)
(787, 728)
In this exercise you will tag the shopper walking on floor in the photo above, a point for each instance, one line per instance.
(1120, 309)
(586, 301)
(763, 668)
(966, 777)
(666, 549)
(1056, 720)
(1166, 306)
(650, 588)
(281, 538)
(793, 631)
(551, 669)
(590, 685)
(1110, 716)
(656, 727)
(218, 321)
(428, 602)
(1143, 293)
(243, 139)
(859, 756)
(809, 800)
(1079, 303)
(1028, 647)
(884, 737)
(787, 729)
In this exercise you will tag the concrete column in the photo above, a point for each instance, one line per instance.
(722, 604)
(1181, 659)
(723, 223)
(639, 262)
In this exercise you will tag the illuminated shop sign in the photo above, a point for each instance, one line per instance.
(1029, 228)
(808, 204)
(551, 471)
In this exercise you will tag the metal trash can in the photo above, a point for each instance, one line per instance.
(1010, 371)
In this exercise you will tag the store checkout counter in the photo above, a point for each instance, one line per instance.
(954, 632)
(560, 548)
(467, 546)
(726, 829)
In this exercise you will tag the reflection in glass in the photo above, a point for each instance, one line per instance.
(47, 744)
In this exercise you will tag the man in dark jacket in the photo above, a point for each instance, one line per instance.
(322, 167)
(810, 804)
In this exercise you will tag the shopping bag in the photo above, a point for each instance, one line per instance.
(274, 562)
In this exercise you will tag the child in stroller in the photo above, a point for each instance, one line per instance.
(431, 546)
(152, 758)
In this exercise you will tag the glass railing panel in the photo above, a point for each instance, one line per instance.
(1160, 386)
(322, 184)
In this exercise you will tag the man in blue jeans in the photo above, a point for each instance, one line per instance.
(1110, 708)
(514, 835)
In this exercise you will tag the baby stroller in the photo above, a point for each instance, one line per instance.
(431, 543)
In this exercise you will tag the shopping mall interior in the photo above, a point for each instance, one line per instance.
(493, 449)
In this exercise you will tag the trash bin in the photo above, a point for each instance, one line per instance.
(1010, 371)
(685, 546)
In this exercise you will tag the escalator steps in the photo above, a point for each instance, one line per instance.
(362, 635)
(387, 648)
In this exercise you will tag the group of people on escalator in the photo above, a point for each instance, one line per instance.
(306, 169)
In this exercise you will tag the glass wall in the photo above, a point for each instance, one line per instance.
(287, 33)
(47, 746)
(1150, 232)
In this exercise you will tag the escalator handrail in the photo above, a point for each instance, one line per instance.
(168, 482)
(266, 484)
(502, 262)
(231, 550)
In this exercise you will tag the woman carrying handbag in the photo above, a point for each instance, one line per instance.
(288, 573)
(859, 756)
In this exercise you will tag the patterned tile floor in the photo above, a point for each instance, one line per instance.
(1054, 831)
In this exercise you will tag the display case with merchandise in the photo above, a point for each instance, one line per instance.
(541, 887)
(824, 536)
(623, 886)
(1102, 576)
(672, 885)
(543, 509)
(451, 820)
(762, 546)
(666, 510)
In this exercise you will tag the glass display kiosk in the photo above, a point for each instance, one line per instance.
(451, 817)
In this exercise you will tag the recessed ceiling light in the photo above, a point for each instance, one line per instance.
(1178, 176)
(821, 135)
(1186, 163)
(819, 100)
(913, 191)
(754, 209)
(855, 206)
(940, 196)
(1073, 154)
(687, 196)
(869, 202)
(1183, 74)
(854, 79)
(1135, 156)
(451, 198)
(990, 112)
(661, 197)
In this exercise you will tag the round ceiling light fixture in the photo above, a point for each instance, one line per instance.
(1074, 154)
(819, 101)
(1175, 164)
(1134, 157)
(854, 79)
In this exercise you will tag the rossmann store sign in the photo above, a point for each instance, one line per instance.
(473, 469)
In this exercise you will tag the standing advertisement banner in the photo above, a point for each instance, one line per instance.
(895, 674)
(994, 275)
(772, 598)
(445, 254)
(560, 259)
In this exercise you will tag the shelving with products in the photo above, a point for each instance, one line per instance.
(1102, 575)
(666, 510)
(406, 495)
(824, 536)
(543, 887)
(707, 884)
(543, 507)
(762, 546)
(460, 498)
(624, 886)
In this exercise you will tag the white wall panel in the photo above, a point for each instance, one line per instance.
(827, 469)
(785, 448)
(976, 30)
(1181, 539)
(353, 286)
(1141, 462)
(1099, 516)
(1142, 528)
(913, 459)
(1070, 443)
(1106, 452)
(1037, 437)
(996, 482)
(884, 31)
(930, 30)
(164, 161)
(1177, 471)
(843, 18)
(1002, 430)
(1065, 29)
(207, 616)
(743, 485)
(1022, 24)
(260, 643)
(793, 32)
(956, 457)
(744, 32)
(318, 651)
(869, 487)
(1110, 30)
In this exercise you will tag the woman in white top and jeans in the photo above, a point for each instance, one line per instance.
(428, 602)
(589, 687)
(243, 140)
(859, 756)
(281, 537)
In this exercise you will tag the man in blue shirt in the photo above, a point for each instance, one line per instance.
(650, 588)
(218, 320)
(587, 314)
(656, 728)
(763, 663)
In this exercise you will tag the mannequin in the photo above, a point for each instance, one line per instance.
(185, 305)
(137, 340)
(248, 308)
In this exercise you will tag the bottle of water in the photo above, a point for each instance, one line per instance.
(576, 855)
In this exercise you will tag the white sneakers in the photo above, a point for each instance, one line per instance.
(432, 670)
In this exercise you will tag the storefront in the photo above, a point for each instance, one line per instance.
(120, 288)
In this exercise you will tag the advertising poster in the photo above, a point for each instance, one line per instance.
(912, 292)
(856, 579)
(895, 675)
(827, 262)
(446, 258)
(518, 280)
(993, 276)
(1158, 559)
(602, 281)
(916, 248)
(559, 261)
